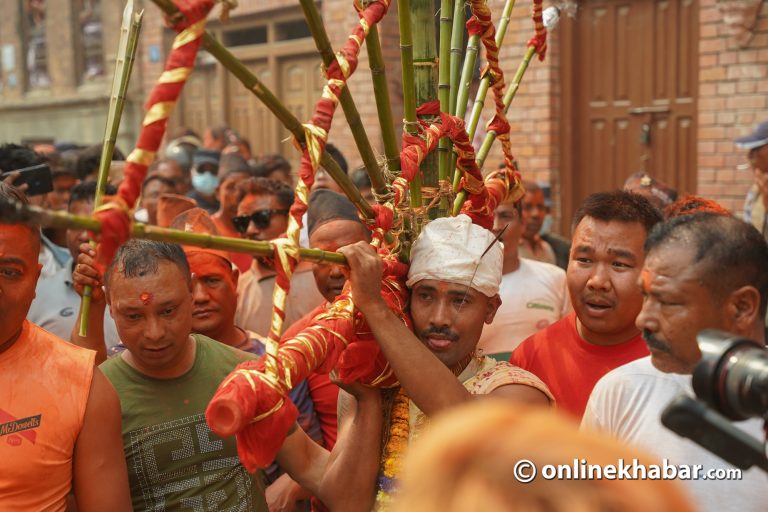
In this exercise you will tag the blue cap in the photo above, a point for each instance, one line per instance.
(757, 138)
(205, 156)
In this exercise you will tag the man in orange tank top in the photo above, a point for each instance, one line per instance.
(59, 416)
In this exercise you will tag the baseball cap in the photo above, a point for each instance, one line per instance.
(759, 137)
(205, 156)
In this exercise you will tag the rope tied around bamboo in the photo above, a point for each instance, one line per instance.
(280, 417)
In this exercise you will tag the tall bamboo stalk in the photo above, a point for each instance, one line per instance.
(253, 84)
(467, 72)
(457, 52)
(13, 212)
(477, 108)
(383, 105)
(444, 93)
(551, 18)
(490, 137)
(425, 79)
(509, 95)
(316, 27)
(409, 86)
(126, 53)
(466, 80)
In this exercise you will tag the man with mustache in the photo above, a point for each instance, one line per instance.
(571, 355)
(454, 293)
(702, 271)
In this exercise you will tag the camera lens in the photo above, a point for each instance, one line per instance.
(733, 375)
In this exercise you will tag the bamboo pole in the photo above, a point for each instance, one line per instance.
(14, 212)
(457, 51)
(551, 17)
(425, 80)
(409, 86)
(383, 105)
(444, 93)
(466, 80)
(253, 84)
(316, 27)
(490, 137)
(126, 53)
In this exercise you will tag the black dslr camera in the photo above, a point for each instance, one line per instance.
(731, 382)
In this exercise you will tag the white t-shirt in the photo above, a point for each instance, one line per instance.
(628, 402)
(532, 297)
(56, 307)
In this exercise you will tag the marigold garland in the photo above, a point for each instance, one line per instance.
(394, 450)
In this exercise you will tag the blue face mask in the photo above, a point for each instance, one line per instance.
(546, 226)
(205, 183)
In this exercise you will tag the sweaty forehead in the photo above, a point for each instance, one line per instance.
(613, 234)
(252, 203)
(673, 260)
(204, 263)
(21, 241)
(337, 233)
(445, 288)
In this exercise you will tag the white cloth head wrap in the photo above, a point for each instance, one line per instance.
(449, 249)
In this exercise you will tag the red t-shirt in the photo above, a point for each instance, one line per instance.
(324, 393)
(570, 365)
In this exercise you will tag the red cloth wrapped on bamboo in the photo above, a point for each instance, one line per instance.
(255, 406)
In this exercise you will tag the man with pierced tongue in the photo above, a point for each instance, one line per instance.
(454, 286)
(571, 355)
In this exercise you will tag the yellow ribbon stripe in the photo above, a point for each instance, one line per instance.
(158, 111)
(189, 34)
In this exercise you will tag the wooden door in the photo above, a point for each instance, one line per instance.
(200, 102)
(630, 79)
(301, 85)
(247, 115)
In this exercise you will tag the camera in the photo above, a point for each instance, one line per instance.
(731, 383)
(732, 376)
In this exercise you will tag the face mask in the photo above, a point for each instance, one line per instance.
(205, 183)
(547, 224)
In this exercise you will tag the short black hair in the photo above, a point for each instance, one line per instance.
(86, 191)
(9, 193)
(618, 205)
(273, 162)
(735, 253)
(14, 156)
(233, 163)
(89, 159)
(360, 178)
(138, 258)
(156, 177)
(267, 187)
(334, 153)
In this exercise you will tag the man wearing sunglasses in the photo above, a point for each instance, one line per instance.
(262, 214)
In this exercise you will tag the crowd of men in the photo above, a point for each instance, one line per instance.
(599, 327)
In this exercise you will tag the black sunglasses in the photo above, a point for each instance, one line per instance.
(260, 218)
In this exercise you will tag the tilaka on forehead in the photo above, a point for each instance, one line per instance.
(646, 277)
(146, 298)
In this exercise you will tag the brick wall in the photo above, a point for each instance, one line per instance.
(732, 99)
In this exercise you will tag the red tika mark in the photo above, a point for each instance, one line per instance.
(146, 298)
